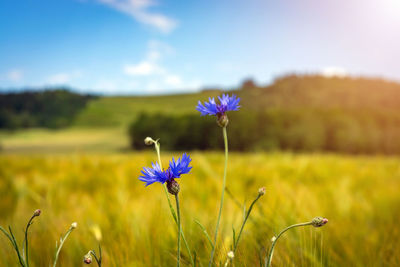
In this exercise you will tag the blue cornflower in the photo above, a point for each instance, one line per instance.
(226, 103)
(175, 170)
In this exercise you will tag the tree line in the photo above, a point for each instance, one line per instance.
(49, 108)
(294, 130)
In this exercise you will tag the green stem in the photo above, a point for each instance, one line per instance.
(179, 230)
(205, 233)
(244, 222)
(60, 246)
(14, 244)
(98, 260)
(26, 240)
(222, 195)
(101, 257)
(268, 259)
(157, 147)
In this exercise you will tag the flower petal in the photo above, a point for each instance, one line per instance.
(181, 166)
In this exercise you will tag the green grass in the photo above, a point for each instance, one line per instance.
(64, 140)
(120, 111)
(359, 195)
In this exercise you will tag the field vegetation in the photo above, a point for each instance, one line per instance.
(359, 195)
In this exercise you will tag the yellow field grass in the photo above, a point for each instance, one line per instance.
(359, 195)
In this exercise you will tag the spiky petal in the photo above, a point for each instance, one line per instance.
(226, 103)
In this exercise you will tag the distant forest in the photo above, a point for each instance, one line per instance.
(296, 113)
(49, 108)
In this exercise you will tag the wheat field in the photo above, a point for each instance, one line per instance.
(359, 195)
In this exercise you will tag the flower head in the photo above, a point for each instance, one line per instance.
(175, 170)
(319, 221)
(149, 141)
(226, 103)
(261, 191)
(88, 258)
(74, 225)
(37, 213)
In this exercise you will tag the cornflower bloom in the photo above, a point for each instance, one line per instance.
(175, 170)
(226, 103)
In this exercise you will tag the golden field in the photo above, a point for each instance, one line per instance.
(360, 195)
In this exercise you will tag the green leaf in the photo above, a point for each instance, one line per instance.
(205, 233)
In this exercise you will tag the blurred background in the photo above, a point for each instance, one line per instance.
(83, 82)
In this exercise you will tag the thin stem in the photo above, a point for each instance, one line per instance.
(14, 243)
(26, 240)
(98, 260)
(244, 222)
(227, 262)
(268, 259)
(157, 147)
(179, 230)
(60, 246)
(222, 195)
(205, 233)
(101, 257)
(21, 261)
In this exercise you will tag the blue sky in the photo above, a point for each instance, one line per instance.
(164, 46)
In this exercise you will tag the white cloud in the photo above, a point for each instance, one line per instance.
(334, 72)
(139, 10)
(159, 47)
(63, 78)
(114, 87)
(153, 87)
(59, 78)
(105, 86)
(154, 55)
(143, 68)
(150, 65)
(155, 76)
(14, 75)
(173, 80)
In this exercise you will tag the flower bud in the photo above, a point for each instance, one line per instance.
(273, 239)
(149, 141)
(261, 191)
(74, 225)
(222, 120)
(37, 212)
(319, 221)
(173, 187)
(231, 255)
(87, 258)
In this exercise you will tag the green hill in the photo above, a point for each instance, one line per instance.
(295, 112)
(120, 111)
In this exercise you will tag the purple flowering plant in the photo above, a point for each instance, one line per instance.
(226, 103)
(175, 170)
